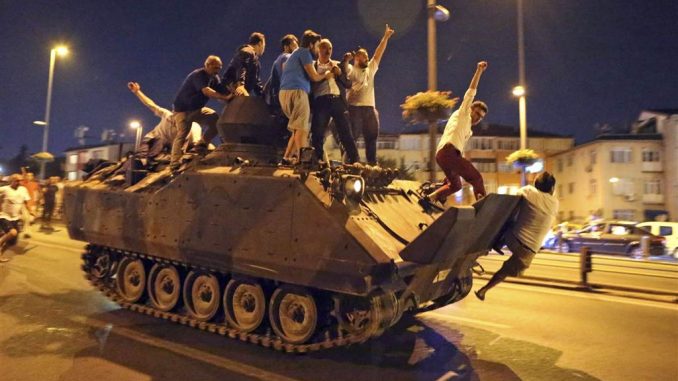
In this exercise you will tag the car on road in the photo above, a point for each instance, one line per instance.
(551, 239)
(612, 237)
(666, 229)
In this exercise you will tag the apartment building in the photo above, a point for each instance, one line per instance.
(77, 157)
(618, 176)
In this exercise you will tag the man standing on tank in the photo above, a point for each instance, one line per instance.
(242, 74)
(189, 106)
(329, 102)
(362, 107)
(295, 86)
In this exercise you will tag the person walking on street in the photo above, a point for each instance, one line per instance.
(33, 188)
(49, 202)
(451, 146)
(13, 198)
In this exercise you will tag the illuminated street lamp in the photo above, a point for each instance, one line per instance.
(435, 13)
(135, 125)
(61, 51)
(519, 91)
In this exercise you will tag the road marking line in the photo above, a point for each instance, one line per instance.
(458, 319)
(606, 298)
(192, 353)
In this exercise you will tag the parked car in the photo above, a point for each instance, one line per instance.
(551, 239)
(612, 237)
(668, 230)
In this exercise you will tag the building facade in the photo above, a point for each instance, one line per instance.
(614, 177)
(77, 157)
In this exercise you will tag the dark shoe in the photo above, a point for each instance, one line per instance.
(479, 295)
(201, 149)
(27, 235)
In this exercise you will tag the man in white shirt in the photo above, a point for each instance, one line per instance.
(162, 135)
(451, 146)
(362, 107)
(536, 212)
(329, 102)
(14, 198)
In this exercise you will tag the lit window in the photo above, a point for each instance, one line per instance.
(560, 165)
(73, 158)
(653, 186)
(593, 186)
(593, 157)
(620, 155)
(73, 175)
(650, 155)
(570, 188)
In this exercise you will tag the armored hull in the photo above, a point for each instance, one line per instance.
(295, 258)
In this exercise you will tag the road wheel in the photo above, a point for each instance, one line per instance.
(202, 295)
(634, 251)
(244, 304)
(102, 266)
(164, 287)
(293, 314)
(131, 279)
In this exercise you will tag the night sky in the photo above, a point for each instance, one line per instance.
(587, 61)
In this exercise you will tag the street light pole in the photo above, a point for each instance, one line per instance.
(135, 125)
(432, 85)
(61, 50)
(522, 107)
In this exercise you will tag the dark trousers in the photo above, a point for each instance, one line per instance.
(455, 167)
(365, 121)
(47, 211)
(324, 108)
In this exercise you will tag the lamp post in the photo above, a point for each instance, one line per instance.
(62, 51)
(135, 125)
(519, 91)
(435, 13)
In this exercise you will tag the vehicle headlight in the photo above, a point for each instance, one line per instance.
(353, 186)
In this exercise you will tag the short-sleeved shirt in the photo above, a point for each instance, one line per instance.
(361, 92)
(166, 130)
(294, 75)
(190, 96)
(536, 213)
(327, 86)
(12, 202)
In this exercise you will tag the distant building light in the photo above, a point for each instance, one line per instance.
(614, 180)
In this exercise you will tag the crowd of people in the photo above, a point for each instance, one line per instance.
(306, 90)
(21, 197)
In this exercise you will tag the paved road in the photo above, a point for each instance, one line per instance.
(55, 327)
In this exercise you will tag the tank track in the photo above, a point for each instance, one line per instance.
(268, 340)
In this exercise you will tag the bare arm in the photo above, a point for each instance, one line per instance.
(135, 88)
(480, 69)
(313, 74)
(209, 92)
(379, 52)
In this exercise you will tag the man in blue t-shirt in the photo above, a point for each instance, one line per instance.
(295, 85)
(289, 43)
(189, 106)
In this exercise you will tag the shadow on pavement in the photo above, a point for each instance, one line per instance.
(72, 325)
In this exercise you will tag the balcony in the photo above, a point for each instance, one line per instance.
(652, 166)
(653, 199)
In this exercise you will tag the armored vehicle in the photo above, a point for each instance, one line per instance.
(296, 258)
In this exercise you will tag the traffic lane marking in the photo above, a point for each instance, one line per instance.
(584, 295)
(457, 319)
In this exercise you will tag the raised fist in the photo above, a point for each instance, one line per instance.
(133, 87)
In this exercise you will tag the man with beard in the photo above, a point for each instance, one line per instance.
(298, 72)
(451, 146)
(242, 74)
(329, 102)
(362, 107)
